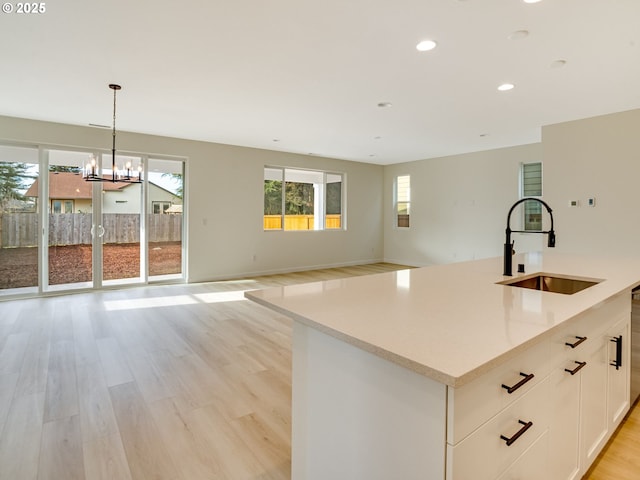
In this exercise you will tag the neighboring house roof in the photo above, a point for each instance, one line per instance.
(174, 209)
(69, 185)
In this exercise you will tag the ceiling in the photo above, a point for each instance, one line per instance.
(307, 76)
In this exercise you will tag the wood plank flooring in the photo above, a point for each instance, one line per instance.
(182, 382)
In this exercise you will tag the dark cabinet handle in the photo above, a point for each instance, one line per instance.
(516, 436)
(577, 369)
(618, 361)
(574, 345)
(512, 389)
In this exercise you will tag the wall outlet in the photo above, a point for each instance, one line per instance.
(574, 203)
(591, 201)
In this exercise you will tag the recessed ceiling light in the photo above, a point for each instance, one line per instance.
(426, 45)
(484, 134)
(531, 1)
(558, 63)
(276, 139)
(384, 104)
(518, 35)
(506, 86)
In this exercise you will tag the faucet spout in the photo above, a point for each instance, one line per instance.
(508, 244)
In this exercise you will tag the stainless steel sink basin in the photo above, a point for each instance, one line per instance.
(552, 283)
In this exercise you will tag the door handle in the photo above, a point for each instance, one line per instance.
(100, 231)
(525, 426)
(618, 361)
(515, 387)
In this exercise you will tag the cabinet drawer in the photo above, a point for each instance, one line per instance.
(474, 403)
(588, 326)
(532, 464)
(483, 455)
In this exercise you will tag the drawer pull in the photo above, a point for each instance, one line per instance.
(577, 369)
(516, 436)
(574, 345)
(512, 389)
(618, 361)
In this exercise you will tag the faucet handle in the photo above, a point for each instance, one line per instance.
(552, 239)
(513, 250)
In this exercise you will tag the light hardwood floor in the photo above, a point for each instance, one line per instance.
(181, 382)
(620, 459)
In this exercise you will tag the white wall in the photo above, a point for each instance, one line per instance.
(459, 207)
(596, 157)
(225, 202)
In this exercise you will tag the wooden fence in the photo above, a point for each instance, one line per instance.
(21, 229)
(299, 222)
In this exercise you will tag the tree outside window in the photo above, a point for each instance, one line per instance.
(312, 200)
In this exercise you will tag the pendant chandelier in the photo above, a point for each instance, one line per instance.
(91, 172)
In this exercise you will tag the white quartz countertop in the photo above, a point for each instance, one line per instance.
(450, 322)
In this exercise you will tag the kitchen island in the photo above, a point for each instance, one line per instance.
(443, 373)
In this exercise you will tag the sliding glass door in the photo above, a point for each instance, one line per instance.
(165, 219)
(122, 203)
(19, 271)
(69, 210)
(59, 231)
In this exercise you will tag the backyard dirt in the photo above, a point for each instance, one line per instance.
(72, 263)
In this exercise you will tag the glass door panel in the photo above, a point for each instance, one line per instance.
(165, 218)
(18, 219)
(121, 214)
(70, 214)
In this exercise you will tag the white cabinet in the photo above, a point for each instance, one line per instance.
(589, 395)
(564, 458)
(619, 370)
(493, 447)
(593, 395)
(545, 413)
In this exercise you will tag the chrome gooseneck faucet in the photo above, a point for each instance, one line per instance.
(508, 245)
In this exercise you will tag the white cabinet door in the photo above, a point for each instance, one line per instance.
(564, 444)
(593, 415)
(619, 359)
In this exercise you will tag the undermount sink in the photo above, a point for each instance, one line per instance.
(552, 283)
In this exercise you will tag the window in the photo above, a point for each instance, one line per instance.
(62, 206)
(310, 199)
(403, 200)
(160, 207)
(531, 186)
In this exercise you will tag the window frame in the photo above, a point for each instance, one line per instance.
(64, 203)
(320, 210)
(397, 202)
(526, 226)
(163, 204)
